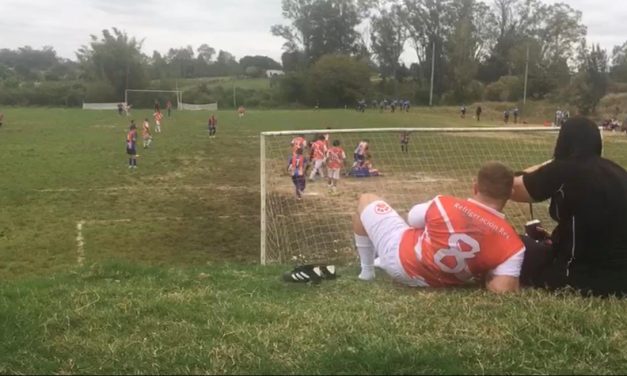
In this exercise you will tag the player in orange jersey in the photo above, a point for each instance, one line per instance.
(318, 154)
(335, 161)
(146, 136)
(241, 111)
(448, 241)
(158, 116)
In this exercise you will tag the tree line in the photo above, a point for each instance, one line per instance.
(467, 50)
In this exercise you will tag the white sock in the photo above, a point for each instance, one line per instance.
(366, 251)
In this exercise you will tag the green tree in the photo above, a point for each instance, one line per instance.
(260, 62)
(339, 80)
(320, 27)
(388, 37)
(116, 59)
(619, 63)
(591, 82)
(206, 52)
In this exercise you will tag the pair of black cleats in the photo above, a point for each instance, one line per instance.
(314, 273)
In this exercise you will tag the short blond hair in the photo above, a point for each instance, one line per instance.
(495, 180)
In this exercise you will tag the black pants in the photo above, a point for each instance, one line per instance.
(540, 267)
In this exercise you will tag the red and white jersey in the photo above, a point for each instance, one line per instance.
(335, 157)
(158, 116)
(463, 240)
(146, 129)
(298, 143)
(326, 139)
(318, 150)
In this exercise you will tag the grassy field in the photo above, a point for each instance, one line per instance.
(166, 277)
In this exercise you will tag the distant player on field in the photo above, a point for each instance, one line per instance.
(146, 136)
(212, 123)
(404, 141)
(336, 158)
(447, 241)
(297, 168)
(131, 142)
(462, 111)
(157, 106)
(168, 106)
(158, 116)
(241, 111)
(318, 154)
(1, 118)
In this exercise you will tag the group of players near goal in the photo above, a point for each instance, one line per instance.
(326, 159)
(449, 241)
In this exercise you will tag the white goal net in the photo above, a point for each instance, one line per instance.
(198, 107)
(100, 106)
(436, 161)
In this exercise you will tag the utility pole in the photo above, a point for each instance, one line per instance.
(526, 77)
(234, 96)
(432, 74)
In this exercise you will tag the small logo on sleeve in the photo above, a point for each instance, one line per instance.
(382, 208)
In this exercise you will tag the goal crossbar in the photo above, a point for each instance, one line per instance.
(439, 130)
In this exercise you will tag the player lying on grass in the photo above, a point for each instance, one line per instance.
(447, 241)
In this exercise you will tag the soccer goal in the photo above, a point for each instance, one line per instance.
(436, 161)
(100, 106)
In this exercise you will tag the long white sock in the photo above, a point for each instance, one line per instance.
(366, 251)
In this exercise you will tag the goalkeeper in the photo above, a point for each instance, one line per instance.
(447, 241)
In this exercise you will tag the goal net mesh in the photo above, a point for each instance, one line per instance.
(100, 106)
(198, 107)
(438, 161)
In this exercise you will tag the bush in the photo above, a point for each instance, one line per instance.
(507, 88)
(338, 80)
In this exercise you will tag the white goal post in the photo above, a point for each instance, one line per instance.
(436, 161)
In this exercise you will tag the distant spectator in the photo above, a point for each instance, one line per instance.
(478, 113)
(506, 116)
(515, 115)
(462, 111)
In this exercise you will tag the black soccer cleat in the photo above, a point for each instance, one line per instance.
(310, 273)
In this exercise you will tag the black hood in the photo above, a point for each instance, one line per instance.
(579, 137)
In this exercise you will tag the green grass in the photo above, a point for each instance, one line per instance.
(168, 286)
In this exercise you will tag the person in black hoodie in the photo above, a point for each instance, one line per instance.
(589, 202)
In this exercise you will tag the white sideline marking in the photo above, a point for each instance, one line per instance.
(80, 243)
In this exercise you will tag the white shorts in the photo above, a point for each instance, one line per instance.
(318, 163)
(334, 173)
(385, 228)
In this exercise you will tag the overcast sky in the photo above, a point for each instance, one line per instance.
(241, 27)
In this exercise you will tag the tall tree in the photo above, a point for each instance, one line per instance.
(388, 37)
(591, 82)
(619, 63)
(430, 23)
(116, 58)
(206, 52)
(320, 27)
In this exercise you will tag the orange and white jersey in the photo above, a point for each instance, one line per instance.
(146, 129)
(335, 157)
(462, 241)
(298, 143)
(318, 150)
